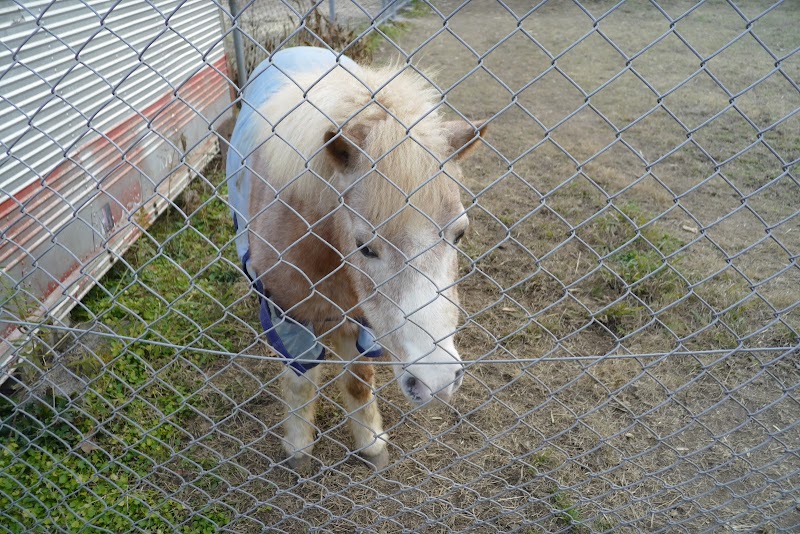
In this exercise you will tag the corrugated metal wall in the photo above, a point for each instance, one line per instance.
(107, 107)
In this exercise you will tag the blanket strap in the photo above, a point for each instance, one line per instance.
(295, 341)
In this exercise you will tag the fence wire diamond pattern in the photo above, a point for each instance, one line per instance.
(629, 282)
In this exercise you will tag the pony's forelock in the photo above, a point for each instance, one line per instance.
(406, 141)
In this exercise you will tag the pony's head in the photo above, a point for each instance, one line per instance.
(395, 164)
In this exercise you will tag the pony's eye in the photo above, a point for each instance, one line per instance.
(365, 250)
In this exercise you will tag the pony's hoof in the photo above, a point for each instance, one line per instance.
(378, 462)
(299, 461)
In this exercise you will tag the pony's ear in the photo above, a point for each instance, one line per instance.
(342, 146)
(462, 135)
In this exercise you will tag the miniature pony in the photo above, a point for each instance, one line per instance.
(343, 183)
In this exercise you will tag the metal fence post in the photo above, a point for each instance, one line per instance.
(238, 46)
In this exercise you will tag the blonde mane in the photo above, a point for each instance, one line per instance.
(392, 117)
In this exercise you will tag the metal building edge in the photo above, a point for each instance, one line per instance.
(167, 143)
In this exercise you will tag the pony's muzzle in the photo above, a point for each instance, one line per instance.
(438, 382)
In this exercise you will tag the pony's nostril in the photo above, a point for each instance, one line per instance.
(459, 374)
(411, 387)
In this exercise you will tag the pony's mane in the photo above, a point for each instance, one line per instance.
(402, 132)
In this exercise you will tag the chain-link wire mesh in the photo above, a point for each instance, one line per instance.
(629, 283)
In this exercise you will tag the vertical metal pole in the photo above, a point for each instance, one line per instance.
(238, 47)
(388, 11)
(332, 11)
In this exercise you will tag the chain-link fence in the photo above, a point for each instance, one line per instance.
(628, 319)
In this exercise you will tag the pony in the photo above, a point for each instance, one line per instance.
(343, 182)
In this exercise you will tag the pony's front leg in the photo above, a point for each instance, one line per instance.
(356, 382)
(300, 394)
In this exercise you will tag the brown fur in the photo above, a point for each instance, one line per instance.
(359, 381)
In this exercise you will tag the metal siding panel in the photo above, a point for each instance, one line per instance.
(97, 114)
(52, 98)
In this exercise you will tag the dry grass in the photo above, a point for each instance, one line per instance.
(582, 272)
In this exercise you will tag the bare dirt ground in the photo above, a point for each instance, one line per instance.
(630, 286)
